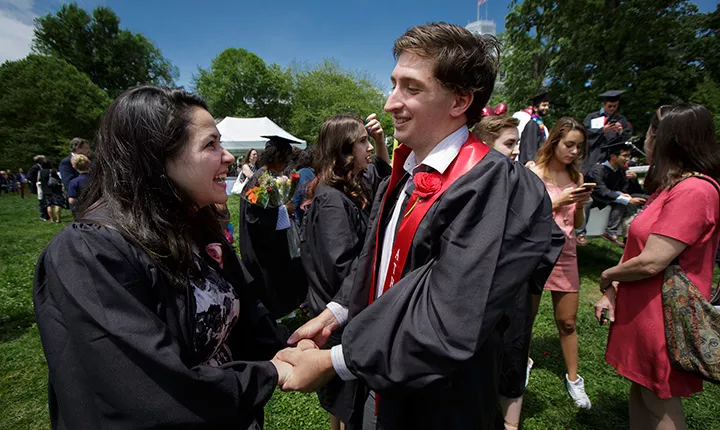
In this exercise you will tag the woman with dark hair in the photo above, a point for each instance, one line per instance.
(142, 306)
(558, 164)
(51, 189)
(278, 277)
(335, 226)
(679, 221)
(247, 170)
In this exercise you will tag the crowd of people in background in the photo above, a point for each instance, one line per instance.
(422, 273)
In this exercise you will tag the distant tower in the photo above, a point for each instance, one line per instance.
(484, 26)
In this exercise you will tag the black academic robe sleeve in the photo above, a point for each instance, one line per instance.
(113, 360)
(543, 270)
(531, 139)
(472, 252)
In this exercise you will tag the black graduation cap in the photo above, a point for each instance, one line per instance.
(540, 97)
(279, 141)
(612, 95)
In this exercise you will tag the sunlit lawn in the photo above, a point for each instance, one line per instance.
(23, 372)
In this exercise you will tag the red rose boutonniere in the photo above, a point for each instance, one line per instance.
(214, 250)
(426, 184)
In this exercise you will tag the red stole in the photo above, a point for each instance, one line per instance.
(471, 153)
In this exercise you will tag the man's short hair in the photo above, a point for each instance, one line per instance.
(464, 62)
(77, 142)
(80, 162)
(618, 149)
(491, 127)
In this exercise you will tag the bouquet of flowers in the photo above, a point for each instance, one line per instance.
(272, 191)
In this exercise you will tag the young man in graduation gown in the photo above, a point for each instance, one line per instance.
(279, 280)
(455, 233)
(604, 129)
(617, 187)
(534, 134)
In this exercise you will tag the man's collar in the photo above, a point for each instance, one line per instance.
(608, 165)
(442, 154)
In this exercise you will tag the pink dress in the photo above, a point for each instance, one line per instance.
(564, 277)
(636, 348)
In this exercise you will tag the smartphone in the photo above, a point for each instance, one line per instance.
(588, 185)
(603, 316)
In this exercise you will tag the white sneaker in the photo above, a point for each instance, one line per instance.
(577, 392)
(527, 372)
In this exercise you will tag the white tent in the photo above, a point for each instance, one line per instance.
(240, 134)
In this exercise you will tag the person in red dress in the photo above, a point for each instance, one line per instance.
(680, 220)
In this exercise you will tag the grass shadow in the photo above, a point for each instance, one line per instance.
(14, 327)
(547, 354)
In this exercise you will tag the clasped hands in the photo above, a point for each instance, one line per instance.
(306, 367)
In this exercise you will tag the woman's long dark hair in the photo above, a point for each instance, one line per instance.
(142, 130)
(684, 143)
(246, 158)
(334, 161)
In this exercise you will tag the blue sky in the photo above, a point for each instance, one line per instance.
(190, 33)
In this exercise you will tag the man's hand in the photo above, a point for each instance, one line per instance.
(609, 127)
(637, 201)
(311, 369)
(317, 329)
(630, 175)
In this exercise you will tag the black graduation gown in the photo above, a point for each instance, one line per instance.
(531, 139)
(516, 340)
(32, 178)
(430, 345)
(279, 281)
(119, 342)
(332, 237)
(599, 141)
(608, 182)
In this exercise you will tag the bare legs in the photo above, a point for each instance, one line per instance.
(566, 306)
(511, 409)
(649, 412)
(54, 213)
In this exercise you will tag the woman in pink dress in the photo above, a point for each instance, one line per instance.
(558, 164)
(680, 220)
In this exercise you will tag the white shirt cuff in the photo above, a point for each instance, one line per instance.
(623, 200)
(339, 311)
(338, 362)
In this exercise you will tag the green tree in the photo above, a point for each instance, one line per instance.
(590, 46)
(325, 90)
(45, 102)
(238, 83)
(114, 59)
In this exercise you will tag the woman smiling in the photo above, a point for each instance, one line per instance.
(142, 305)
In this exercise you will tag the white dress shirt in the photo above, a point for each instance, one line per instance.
(438, 159)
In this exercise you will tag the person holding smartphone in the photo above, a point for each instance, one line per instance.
(558, 164)
(618, 188)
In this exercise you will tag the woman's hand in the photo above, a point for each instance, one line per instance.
(374, 129)
(284, 370)
(569, 196)
(607, 301)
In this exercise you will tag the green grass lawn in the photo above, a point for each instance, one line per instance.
(23, 372)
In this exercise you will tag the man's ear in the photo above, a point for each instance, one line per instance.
(461, 103)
